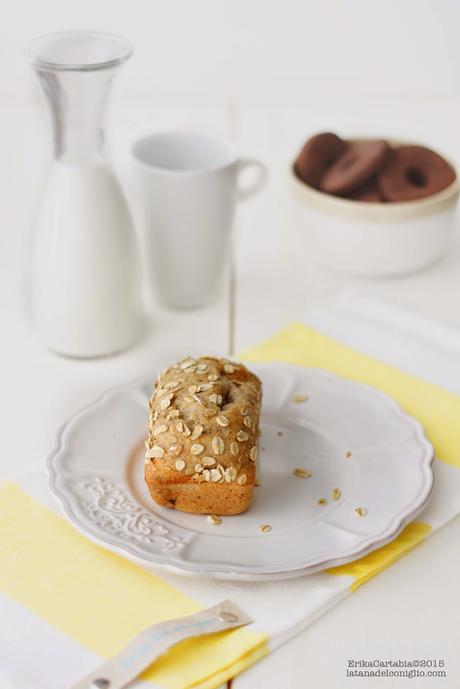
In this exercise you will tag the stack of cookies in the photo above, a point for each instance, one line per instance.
(371, 170)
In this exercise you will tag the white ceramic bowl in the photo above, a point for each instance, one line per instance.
(375, 239)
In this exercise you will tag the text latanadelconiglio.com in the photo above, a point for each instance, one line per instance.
(410, 668)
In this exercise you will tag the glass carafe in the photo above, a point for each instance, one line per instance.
(85, 273)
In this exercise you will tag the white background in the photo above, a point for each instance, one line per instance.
(267, 74)
(232, 49)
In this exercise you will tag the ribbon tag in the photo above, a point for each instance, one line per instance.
(152, 642)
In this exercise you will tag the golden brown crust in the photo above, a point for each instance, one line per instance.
(202, 443)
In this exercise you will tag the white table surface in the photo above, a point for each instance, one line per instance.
(410, 610)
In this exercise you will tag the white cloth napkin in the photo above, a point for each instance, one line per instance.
(29, 646)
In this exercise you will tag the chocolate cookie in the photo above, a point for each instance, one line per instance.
(361, 161)
(318, 154)
(414, 172)
(368, 192)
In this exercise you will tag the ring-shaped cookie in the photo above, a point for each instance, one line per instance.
(361, 161)
(318, 154)
(414, 172)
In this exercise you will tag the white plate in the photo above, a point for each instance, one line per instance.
(96, 471)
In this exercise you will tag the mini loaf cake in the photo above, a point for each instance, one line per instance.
(202, 443)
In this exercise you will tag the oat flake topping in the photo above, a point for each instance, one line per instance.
(157, 452)
(218, 445)
(160, 429)
(197, 431)
(208, 461)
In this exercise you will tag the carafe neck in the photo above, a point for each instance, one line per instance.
(78, 103)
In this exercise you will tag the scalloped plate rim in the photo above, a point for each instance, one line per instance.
(240, 572)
